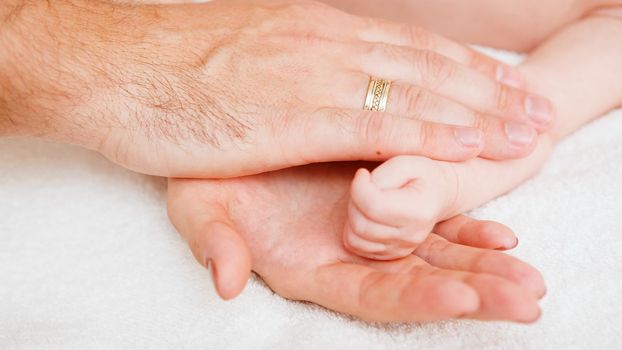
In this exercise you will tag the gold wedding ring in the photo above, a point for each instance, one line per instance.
(377, 94)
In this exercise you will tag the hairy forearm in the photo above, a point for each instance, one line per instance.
(57, 66)
(41, 81)
(10, 11)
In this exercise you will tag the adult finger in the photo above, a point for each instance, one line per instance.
(379, 296)
(439, 252)
(499, 298)
(331, 134)
(464, 230)
(448, 78)
(505, 138)
(382, 31)
(213, 239)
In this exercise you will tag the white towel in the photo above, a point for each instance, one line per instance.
(88, 260)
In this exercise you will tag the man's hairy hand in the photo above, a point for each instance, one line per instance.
(236, 87)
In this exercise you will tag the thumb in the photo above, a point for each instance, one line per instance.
(214, 242)
(226, 254)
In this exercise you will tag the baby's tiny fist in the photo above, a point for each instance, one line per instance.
(389, 220)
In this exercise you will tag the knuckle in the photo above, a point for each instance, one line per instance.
(417, 36)
(478, 61)
(481, 121)
(374, 129)
(414, 99)
(385, 52)
(502, 97)
(436, 68)
(427, 136)
(341, 119)
(287, 132)
(346, 124)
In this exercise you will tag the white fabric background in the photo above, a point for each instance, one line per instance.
(88, 260)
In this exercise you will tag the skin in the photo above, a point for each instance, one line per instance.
(515, 25)
(157, 88)
(292, 220)
(408, 185)
(287, 226)
(139, 114)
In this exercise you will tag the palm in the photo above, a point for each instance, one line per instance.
(292, 221)
(293, 218)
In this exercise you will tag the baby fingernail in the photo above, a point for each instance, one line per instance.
(539, 109)
(469, 137)
(519, 134)
(509, 76)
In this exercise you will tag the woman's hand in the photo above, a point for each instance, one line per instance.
(236, 87)
(292, 221)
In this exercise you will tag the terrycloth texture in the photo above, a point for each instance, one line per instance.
(88, 260)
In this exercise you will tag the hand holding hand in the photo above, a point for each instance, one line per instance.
(287, 226)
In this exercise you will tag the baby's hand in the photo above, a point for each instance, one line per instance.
(395, 207)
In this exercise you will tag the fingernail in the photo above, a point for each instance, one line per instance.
(469, 137)
(539, 109)
(511, 243)
(509, 76)
(508, 244)
(519, 134)
(209, 265)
